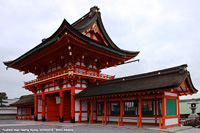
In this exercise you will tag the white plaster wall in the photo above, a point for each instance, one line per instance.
(19, 111)
(39, 116)
(111, 118)
(39, 108)
(129, 119)
(83, 116)
(171, 121)
(57, 88)
(77, 91)
(170, 94)
(148, 119)
(84, 106)
(64, 86)
(77, 105)
(78, 85)
(77, 116)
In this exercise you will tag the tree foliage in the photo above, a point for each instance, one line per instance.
(3, 96)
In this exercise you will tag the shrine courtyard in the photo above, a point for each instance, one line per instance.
(51, 126)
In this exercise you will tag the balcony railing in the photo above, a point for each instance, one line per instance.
(70, 72)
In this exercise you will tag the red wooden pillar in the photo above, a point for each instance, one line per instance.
(121, 111)
(43, 106)
(36, 107)
(156, 115)
(91, 111)
(178, 110)
(163, 109)
(72, 104)
(80, 115)
(61, 106)
(140, 110)
(17, 113)
(105, 111)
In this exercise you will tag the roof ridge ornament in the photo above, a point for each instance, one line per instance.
(93, 10)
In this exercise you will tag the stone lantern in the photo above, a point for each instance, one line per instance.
(193, 107)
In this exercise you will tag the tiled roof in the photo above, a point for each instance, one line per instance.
(158, 80)
(24, 100)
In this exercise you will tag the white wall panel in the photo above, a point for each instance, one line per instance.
(39, 108)
(39, 116)
(170, 94)
(83, 116)
(111, 118)
(77, 91)
(84, 106)
(19, 111)
(171, 121)
(77, 105)
(129, 119)
(77, 116)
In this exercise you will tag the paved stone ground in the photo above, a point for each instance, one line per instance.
(45, 127)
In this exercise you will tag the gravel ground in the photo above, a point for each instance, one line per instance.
(45, 127)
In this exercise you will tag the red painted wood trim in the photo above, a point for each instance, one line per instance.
(105, 110)
(72, 102)
(80, 111)
(173, 116)
(163, 109)
(140, 110)
(61, 103)
(178, 110)
(43, 104)
(92, 111)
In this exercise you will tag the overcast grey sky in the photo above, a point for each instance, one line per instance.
(167, 33)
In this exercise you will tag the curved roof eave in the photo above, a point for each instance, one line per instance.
(66, 25)
(190, 84)
(82, 25)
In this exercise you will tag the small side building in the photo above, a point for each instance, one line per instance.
(7, 112)
(139, 99)
(25, 107)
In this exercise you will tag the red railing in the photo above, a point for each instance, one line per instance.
(63, 72)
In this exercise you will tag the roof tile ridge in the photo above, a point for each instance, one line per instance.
(178, 69)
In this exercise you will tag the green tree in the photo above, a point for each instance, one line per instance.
(2, 97)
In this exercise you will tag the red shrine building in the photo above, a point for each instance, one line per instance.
(70, 86)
